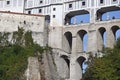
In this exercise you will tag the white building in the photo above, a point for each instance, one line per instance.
(59, 12)
(12, 5)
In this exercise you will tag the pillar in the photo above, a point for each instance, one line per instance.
(74, 74)
(100, 42)
(92, 15)
(110, 39)
(92, 40)
(73, 59)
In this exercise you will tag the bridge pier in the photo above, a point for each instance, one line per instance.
(110, 39)
(75, 67)
(72, 59)
(92, 41)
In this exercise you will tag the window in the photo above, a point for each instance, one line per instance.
(53, 16)
(54, 9)
(83, 3)
(29, 12)
(40, 10)
(101, 1)
(70, 5)
(8, 2)
(41, 2)
(114, 0)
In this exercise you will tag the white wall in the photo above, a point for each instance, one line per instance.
(13, 6)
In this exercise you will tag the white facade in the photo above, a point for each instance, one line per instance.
(58, 10)
(12, 5)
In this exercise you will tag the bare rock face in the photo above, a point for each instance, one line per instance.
(33, 72)
(42, 68)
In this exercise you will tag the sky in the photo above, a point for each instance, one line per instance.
(85, 19)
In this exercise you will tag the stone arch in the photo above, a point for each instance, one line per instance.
(101, 38)
(67, 41)
(80, 40)
(79, 69)
(103, 10)
(71, 14)
(64, 71)
(113, 31)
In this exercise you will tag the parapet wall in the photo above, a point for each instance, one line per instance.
(9, 22)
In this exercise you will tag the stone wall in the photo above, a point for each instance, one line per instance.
(9, 22)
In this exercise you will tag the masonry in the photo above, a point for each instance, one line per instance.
(66, 41)
(9, 22)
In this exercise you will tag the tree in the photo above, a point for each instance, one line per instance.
(106, 67)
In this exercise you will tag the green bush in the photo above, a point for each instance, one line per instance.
(13, 57)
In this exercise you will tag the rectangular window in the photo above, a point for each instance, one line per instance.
(53, 16)
(40, 10)
(54, 9)
(41, 1)
(29, 12)
(70, 5)
(83, 3)
(114, 0)
(8, 2)
(101, 1)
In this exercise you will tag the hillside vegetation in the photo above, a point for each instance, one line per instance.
(14, 54)
(106, 67)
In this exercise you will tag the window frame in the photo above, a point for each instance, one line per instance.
(8, 2)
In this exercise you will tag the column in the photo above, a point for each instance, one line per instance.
(92, 15)
(92, 39)
(73, 59)
(110, 39)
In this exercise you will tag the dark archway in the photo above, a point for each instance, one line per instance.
(116, 31)
(65, 69)
(75, 14)
(66, 60)
(67, 42)
(101, 36)
(82, 41)
(80, 61)
(107, 12)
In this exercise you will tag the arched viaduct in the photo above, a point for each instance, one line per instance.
(71, 53)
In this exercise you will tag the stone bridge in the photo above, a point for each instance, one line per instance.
(67, 42)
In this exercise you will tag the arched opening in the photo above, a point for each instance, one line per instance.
(108, 13)
(77, 17)
(79, 67)
(82, 38)
(47, 18)
(116, 32)
(64, 70)
(101, 36)
(111, 15)
(66, 60)
(67, 42)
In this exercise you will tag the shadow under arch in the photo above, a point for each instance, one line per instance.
(101, 38)
(64, 71)
(103, 10)
(114, 29)
(80, 40)
(67, 42)
(79, 72)
(66, 60)
(72, 14)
